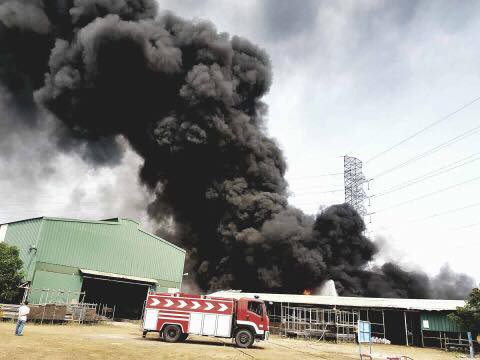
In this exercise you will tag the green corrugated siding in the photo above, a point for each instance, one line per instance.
(24, 234)
(60, 269)
(110, 247)
(55, 281)
(438, 321)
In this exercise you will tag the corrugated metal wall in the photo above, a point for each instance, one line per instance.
(438, 321)
(70, 285)
(24, 234)
(110, 247)
(65, 246)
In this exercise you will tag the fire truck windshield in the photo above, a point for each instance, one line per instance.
(256, 307)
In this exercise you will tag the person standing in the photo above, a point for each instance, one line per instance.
(23, 311)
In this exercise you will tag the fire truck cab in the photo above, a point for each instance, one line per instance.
(175, 316)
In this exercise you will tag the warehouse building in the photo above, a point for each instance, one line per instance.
(111, 261)
(412, 322)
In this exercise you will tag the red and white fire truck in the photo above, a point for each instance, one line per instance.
(175, 316)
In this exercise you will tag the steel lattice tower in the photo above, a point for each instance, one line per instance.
(354, 180)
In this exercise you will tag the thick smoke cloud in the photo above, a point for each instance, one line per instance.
(188, 101)
(450, 285)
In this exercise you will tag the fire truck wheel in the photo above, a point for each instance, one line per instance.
(244, 338)
(183, 337)
(172, 333)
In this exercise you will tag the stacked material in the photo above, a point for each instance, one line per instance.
(8, 311)
(52, 312)
(81, 313)
(48, 312)
(90, 315)
(35, 312)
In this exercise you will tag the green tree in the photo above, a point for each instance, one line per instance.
(11, 273)
(468, 316)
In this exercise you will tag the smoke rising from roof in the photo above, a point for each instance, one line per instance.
(188, 100)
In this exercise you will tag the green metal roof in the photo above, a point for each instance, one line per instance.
(23, 220)
(111, 221)
(112, 246)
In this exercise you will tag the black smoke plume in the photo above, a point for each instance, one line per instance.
(188, 99)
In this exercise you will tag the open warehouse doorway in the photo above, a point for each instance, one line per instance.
(403, 327)
(126, 296)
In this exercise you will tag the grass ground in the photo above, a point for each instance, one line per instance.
(124, 341)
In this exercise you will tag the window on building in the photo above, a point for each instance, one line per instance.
(255, 307)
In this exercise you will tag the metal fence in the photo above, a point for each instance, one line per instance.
(322, 324)
(53, 305)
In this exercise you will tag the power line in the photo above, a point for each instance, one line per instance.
(449, 229)
(439, 171)
(318, 192)
(465, 226)
(319, 201)
(428, 194)
(315, 186)
(315, 176)
(423, 129)
(314, 192)
(430, 151)
(443, 213)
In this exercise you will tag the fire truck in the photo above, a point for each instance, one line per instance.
(175, 316)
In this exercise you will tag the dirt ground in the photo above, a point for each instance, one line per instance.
(124, 341)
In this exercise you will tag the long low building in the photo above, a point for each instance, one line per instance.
(112, 262)
(417, 322)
